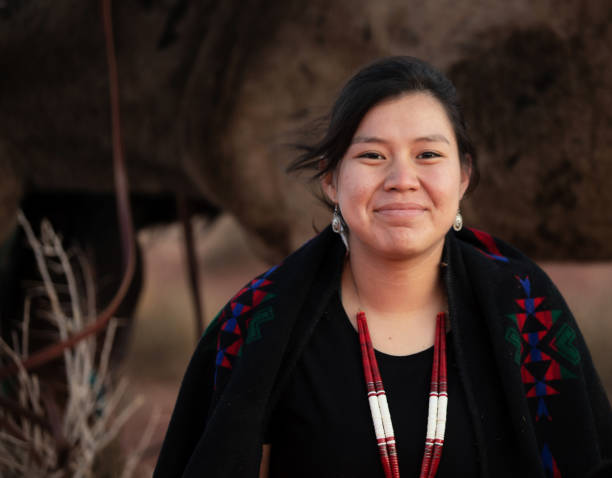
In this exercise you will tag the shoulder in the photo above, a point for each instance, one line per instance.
(504, 275)
(538, 344)
(518, 296)
(274, 281)
(494, 259)
(533, 312)
(253, 313)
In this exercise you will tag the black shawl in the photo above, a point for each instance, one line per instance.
(537, 405)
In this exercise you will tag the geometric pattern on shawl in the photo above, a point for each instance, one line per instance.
(241, 321)
(545, 352)
(543, 347)
(487, 245)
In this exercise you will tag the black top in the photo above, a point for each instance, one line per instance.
(322, 425)
(535, 401)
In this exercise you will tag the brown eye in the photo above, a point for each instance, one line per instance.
(428, 155)
(371, 155)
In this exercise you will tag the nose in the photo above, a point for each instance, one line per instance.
(402, 175)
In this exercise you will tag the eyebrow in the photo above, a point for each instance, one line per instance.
(432, 138)
(367, 139)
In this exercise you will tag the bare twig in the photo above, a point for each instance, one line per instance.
(59, 315)
(90, 288)
(25, 327)
(37, 431)
(105, 356)
(17, 409)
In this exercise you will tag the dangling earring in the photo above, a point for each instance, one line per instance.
(458, 224)
(338, 226)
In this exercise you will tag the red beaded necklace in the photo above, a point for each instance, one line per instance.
(381, 417)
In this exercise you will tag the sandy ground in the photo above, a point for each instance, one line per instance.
(164, 335)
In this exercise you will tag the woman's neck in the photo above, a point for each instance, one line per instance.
(394, 289)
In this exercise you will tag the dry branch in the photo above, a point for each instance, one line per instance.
(42, 435)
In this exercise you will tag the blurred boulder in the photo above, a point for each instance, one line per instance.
(212, 91)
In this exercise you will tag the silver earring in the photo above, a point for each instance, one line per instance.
(458, 224)
(338, 226)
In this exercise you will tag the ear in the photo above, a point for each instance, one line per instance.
(466, 174)
(328, 184)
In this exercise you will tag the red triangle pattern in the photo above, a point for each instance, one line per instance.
(543, 356)
(258, 296)
(545, 318)
(234, 348)
(245, 308)
(236, 305)
(541, 335)
(521, 318)
(527, 376)
(548, 391)
(226, 363)
(536, 302)
(554, 371)
(264, 283)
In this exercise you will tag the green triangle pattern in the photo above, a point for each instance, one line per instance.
(261, 316)
(563, 341)
(513, 337)
(565, 373)
(513, 317)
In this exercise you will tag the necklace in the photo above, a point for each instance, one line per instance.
(381, 417)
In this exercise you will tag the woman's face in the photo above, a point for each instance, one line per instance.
(399, 183)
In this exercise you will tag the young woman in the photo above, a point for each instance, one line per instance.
(395, 340)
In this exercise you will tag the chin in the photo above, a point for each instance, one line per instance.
(402, 253)
(407, 246)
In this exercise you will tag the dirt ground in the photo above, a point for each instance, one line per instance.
(164, 335)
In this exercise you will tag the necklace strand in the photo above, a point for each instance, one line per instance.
(379, 408)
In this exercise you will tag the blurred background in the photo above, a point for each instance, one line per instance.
(211, 95)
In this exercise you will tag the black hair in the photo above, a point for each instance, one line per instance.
(384, 79)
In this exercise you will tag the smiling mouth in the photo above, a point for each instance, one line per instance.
(401, 210)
